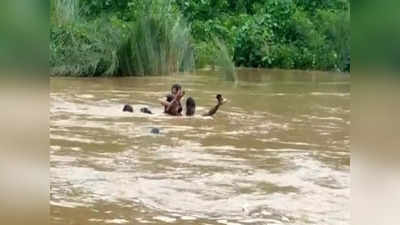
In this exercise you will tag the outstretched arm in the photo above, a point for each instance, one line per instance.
(214, 109)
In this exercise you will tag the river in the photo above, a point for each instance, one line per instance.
(276, 153)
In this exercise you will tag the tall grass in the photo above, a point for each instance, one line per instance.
(79, 47)
(85, 49)
(159, 43)
(216, 55)
(224, 61)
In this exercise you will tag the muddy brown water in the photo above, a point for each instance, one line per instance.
(276, 153)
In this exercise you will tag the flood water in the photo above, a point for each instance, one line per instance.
(276, 153)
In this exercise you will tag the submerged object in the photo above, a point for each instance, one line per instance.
(155, 131)
(127, 108)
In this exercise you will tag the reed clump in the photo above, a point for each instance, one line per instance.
(158, 44)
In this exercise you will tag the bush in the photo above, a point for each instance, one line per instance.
(82, 49)
(284, 56)
(335, 25)
(155, 36)
(252, 42)
(157, 42)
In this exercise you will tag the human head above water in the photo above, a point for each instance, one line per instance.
(127, 108)
(175, 88)
(190, 107)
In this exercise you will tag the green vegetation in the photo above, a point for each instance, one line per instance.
(159, 43)
(136, 37)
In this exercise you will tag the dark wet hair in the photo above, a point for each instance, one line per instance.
(155, 131)
(145, 110)
(127, 108)
(190, 106)
(176, 86)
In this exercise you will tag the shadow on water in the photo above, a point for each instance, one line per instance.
(276, 153)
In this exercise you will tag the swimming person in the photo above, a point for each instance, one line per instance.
(165, 102)
(191, 106)
(173, 104)
(174, 90)
(127, 108)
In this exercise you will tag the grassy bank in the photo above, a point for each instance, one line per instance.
(156, 42)
(134, 37)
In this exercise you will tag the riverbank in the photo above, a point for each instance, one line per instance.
(160, 37)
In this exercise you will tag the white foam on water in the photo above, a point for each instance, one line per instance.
(188, 218)
(117, 221)
(165, 219)
(62, 203)
(141, 220)
(330, 94)
(86, 96)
